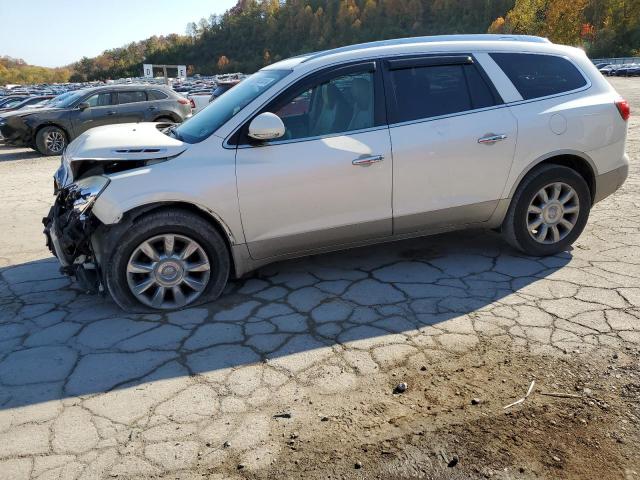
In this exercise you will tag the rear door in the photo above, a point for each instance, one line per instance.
(132, 106)
(453, 142)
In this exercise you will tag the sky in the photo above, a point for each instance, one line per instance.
(56, 33)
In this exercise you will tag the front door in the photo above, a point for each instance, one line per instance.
(101, 111)
(328, 181)
(453, 142)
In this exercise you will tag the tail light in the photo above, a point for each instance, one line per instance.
(193, 104)
(624, 109)
(183, 101)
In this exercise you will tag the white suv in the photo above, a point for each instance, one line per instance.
(335, 149)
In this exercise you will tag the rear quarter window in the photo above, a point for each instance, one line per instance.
(156, 95)
(539, 75)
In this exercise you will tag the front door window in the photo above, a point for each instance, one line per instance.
(342, 104)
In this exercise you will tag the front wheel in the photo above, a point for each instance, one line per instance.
(548, 211)
(167, 260)
(51, 141)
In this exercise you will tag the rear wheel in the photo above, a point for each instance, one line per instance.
(548, 212)
(168, 260)
(51, 141)
(164, 120)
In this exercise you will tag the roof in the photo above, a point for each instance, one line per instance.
(429, 39)
(382, 44)
(126, 86)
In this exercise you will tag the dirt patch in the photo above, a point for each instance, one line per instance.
(451, 422)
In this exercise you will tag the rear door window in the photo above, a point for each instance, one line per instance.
(539, 75)
(423, 92)
(133, 96)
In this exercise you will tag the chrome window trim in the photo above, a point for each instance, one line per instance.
(371, 58)
(311, 139)
(448, 115)
(226, 145)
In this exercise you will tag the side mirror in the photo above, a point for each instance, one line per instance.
(83, 105)
(266, 126)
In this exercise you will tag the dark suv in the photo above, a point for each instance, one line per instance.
(49, 130)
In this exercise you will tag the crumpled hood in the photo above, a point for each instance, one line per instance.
(126, 141)
(25, 112)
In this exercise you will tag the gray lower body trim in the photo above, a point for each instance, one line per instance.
(463, 215)
(609, 182)
(441, 221)
(309, 241)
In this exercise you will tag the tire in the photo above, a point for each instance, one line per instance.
(519, 219)
(164, 120)
(121, 277)
(51, 141)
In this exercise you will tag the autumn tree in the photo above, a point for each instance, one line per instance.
(255, 33)
(223, 62)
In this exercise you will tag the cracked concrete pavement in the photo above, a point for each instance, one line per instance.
(88, 391)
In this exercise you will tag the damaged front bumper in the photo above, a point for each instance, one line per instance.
(69, 228)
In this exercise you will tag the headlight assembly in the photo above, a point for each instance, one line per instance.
(84, 192)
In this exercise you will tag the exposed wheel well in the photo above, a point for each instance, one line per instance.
(166, 115)
(578, 164)
(133, 215)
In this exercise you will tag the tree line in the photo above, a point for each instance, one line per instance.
(17, 71)
(256, 33)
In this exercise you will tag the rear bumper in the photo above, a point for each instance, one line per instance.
(609, 182)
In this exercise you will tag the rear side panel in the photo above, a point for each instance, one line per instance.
(584, 122)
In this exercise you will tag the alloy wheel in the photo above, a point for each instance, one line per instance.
(553, 213)
(168, 271)
(54, 141)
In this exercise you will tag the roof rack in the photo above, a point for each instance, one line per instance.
(483, 37)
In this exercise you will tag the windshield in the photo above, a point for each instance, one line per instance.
(200, 126)
(56, 101)
(70, 100)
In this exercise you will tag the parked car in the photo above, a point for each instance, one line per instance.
(199, 100)
(24, 103)
(627, 70)
(606, 70)
(11, 99)
(49, 130)
(512, 133)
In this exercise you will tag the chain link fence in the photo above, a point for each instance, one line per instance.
(616, 61)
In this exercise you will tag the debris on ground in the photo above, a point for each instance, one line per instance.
(283, 415)
(517, 402)
(401, 388)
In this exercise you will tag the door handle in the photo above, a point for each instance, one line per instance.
(153, 108)
(492, 138)
(111, 112)
(366, 161)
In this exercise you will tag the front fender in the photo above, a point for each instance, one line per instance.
(209, 186)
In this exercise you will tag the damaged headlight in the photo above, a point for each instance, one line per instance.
(83, 193)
